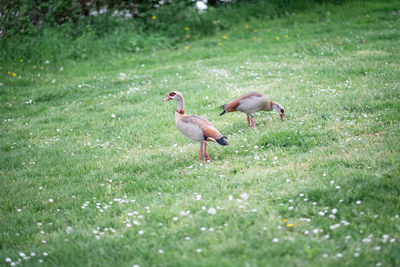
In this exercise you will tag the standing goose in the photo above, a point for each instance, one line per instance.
(195, 127)
(250, 103)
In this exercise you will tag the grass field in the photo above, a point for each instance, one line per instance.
(94, 171)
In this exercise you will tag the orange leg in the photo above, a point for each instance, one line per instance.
(206, 157)
(252, 120)
(201, 151)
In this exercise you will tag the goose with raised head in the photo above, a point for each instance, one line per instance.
(194, 127)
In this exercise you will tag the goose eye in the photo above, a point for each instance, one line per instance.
(282, 111)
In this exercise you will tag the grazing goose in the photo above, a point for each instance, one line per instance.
(194, 127)
(250, 103)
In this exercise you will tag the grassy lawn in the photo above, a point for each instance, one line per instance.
(94, 171)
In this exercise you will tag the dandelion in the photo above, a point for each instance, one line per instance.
(277, 38)
(225, 37)
(186, 47)
(367, 15)
(286, 36)
(34, 67)
(284, 220)
(21, 60)
(153, 17)
(340, 43)
(218, 21)
(13, 74)
(219, 43)
(290, 225)
(246, 26)
(186, 28)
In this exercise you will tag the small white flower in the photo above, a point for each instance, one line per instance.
(8, 259)
(321, 213)
(212, 211)
(275, 240)
(244, 196)
(33, 254)
(136, 265)
(199, 250)
(47, 62)
(51, 200)
(113, 116)
(141, 232)
(45, 254)
(161, 251)
(339, 255)
(290, 208)
(175, 219)
(358, 202)
(334, 211)
(356, 254)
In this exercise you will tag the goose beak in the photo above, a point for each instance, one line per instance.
(167, 98)
(282, 117)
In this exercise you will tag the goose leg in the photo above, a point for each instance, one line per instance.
(206, 157)
(252, 120)
(201, 151)
(248, 120)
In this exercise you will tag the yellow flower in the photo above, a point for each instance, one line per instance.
(255, 30)
(316, 44)
(35, 67)
(285, 220)
(219, 43)
(246, 26)
(340, 43)
(327, 43)
(153, 17)
(13, 74)
(290, 225)
(390, 26)
(286, 36)
(186, 47)
(46, 80)
(259, 39)
(21, 60)
(254, 38)
(277, 38)
(338, 37)
(218, 21)
(8, 72)
(366, 15)
(186, 28)
(225, 37)
(41, 67)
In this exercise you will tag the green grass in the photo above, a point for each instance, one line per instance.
(336, 74)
